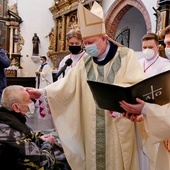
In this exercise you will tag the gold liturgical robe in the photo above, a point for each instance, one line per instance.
(91, 138)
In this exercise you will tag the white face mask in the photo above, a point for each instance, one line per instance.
(167, 52)
(148, 53)
(31, 111)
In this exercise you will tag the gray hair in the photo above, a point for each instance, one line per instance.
(10, 95)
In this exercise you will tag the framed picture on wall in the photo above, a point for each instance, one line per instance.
(71, 23)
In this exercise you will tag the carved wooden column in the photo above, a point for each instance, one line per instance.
(55, 39)
(163, 20)
(11, 28)
(63, 33)
(15, 39)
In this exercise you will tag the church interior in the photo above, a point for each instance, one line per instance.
(62, 16)
(17, 26)
(32, 29)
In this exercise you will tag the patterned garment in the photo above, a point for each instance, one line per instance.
(43, 107)
(24, 146)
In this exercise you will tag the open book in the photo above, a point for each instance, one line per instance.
(155, 89)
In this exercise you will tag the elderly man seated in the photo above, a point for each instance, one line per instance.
(20, 147)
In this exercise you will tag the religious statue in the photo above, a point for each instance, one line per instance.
(36, 42)
(160, 22)
(51, 38)
(60, 36)
(20, 43)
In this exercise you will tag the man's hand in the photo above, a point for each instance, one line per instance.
(33, 92)
(133, 117)
(133, 108)
(49, 138)
(37, 73)
(133, 111)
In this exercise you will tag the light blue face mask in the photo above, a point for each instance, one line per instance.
(92, 50)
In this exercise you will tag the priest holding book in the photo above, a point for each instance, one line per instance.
(155, 117)
(91, 138)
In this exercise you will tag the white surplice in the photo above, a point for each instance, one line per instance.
(157, 123)
(151, 68)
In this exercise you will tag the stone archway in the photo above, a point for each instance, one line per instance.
(118, 10)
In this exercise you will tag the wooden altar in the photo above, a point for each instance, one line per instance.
(65, 18)
(24, 81)
(10, 37)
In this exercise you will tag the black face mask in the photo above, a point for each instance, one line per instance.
(75, 49)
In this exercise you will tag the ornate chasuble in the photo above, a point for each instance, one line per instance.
(91, 138)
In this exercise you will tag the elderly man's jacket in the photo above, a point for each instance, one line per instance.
(20, 147)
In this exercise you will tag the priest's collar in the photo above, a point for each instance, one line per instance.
(44, 63)
(107, 55)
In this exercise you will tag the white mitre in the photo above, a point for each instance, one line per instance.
(91, 22)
